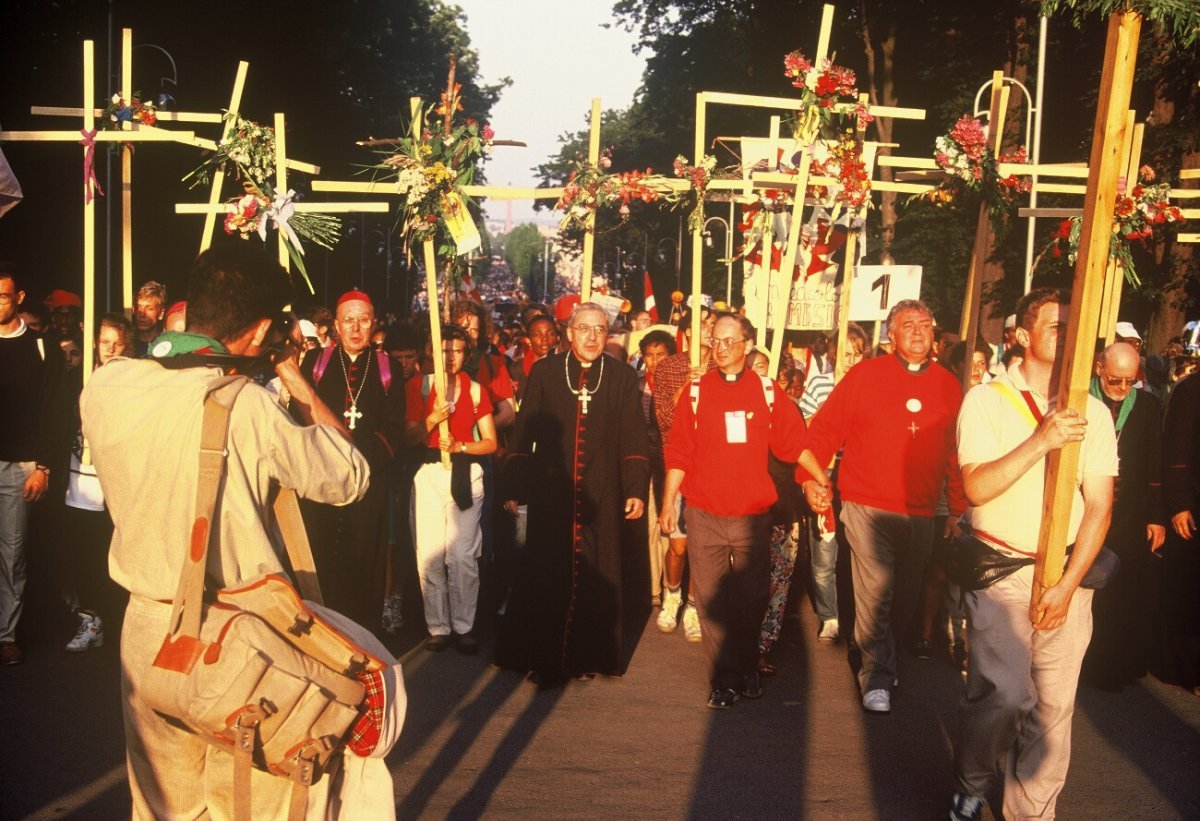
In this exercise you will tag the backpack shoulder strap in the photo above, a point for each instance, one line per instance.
(768, 394)
(694, 394)
(1013, 398)
(385, 372)
(322, 363)
(214, 436)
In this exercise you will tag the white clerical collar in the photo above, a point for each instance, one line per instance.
(21, 328)
(919, 367)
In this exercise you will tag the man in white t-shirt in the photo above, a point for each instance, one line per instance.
(1025, 656)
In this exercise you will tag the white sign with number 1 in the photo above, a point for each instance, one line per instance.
(876, 288)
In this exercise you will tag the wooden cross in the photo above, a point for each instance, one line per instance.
(91, 135)
(282, 164)
(1116, 83)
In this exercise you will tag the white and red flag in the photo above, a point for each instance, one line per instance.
(651, 308)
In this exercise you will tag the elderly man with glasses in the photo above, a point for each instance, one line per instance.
(717, 455)
(580, 457)
(1121, 612)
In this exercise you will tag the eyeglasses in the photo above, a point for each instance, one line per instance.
(591, 330)
(725, 344)
(1117, 382)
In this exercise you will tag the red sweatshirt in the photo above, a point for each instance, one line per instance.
(730, 478)
(896, 429)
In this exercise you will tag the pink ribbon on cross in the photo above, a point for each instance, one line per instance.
(89, 165)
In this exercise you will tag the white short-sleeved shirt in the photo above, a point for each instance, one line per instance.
(990, 426)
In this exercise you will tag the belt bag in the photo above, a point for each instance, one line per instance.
(253, 670)
(974, 565)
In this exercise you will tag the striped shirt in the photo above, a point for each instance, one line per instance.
(819, 386)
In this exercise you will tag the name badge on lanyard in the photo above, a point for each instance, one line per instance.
(735, 427)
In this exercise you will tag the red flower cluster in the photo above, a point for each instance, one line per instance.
(969, 134)
(629, 187)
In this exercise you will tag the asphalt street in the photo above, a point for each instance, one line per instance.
(481, 742)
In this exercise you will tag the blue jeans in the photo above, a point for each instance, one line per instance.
(824, 567)
(14, 516)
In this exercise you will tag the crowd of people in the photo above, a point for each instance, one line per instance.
(578, 468)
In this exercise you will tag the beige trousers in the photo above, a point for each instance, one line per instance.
(1020, 696)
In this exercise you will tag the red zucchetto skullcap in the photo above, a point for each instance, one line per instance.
(62, 299)
(354, 294)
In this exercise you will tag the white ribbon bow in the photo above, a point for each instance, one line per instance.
(281, 211)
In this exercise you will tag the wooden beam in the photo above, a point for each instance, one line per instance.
(89, 221)
(281, 184)
(218, 177)
(698, 145)
(1116, 81)
(1133, 161)
(164, 116)
(589, 236)
(127, 178)
(435, 337)
(984, 237)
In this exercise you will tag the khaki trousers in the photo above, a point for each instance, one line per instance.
(1020, 696)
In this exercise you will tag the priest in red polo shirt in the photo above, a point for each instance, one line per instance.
(893, 417)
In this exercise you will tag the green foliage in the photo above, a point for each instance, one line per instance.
(1181, 17)
(522, 246)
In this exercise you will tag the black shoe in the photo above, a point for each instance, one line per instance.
(923, 649)
(722, 698)
(546, 681)
(436, 644)
(752, 686)
(468, 645)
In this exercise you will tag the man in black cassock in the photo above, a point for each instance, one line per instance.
(349, 543)
(580, 458)
(1121, 611)
(1175, 636)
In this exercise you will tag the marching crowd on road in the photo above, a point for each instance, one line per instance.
(577, 468)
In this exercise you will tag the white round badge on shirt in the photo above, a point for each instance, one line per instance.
(913, 405)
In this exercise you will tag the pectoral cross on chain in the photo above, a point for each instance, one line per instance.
(913, 428)
(354, 414)
(584, 398)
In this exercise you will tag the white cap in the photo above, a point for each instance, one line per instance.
(1011, 322)
(307, 328)
(1126, 330)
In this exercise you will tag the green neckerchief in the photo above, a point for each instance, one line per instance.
(1126, 404)
(178, 343)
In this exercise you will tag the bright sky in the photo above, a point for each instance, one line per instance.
(559, 58)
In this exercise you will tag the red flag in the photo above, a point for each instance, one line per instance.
(650, 306)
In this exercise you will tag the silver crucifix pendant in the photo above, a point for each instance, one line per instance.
(354, 414)
(584, 398)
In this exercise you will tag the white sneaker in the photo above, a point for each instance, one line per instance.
(668, 617)
(90, 634)
(691, 624)
(877, 701)
(829, 631)
(966, 807)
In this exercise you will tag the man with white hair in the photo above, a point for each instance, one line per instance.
(580, 459)
(893, 419)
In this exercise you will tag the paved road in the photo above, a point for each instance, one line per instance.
(482, 742)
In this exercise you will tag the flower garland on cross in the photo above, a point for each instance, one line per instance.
(1140, 217)
(829, 97)
(591, 187)
(965, 155)
(247, 152)
(118, 112)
